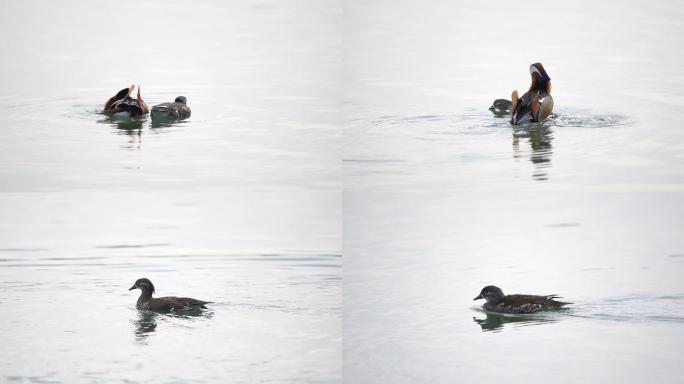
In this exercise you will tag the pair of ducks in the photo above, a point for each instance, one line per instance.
(496, 301)
(535, 105)
(124, 105)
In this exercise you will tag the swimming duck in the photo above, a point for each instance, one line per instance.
(498, 302)
(170, 303)
(501, 106)
(536, 104)
(123, 105)
(178, 110)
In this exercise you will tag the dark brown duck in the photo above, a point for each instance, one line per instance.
(535, 105)
(178, 110)
(498, 302)
(163, 304)
(123, 105)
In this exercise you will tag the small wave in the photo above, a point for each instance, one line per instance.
(128, 246)
(588, 119)
(22, 249)
(636, 308)
(643, 298)
(563, 225)
(482, 121)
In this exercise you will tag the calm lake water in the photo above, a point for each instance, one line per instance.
(441, 198)
(239, 205)
(351, 130)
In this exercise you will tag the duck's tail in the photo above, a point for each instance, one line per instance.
(552, 302)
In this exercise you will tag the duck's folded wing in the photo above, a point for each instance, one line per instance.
(551, 299)
(163, 304)
(522, 114)
(161, 107)
(188, 302)
(165, 110)
(520, 300)
(119, 96)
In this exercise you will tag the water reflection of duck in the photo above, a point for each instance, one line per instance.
(163, 304)
(495, 321)
(146, 324)
(498, 302)
(129, 126)
(540, 138)
(535, 105)
(123, 105)
(178, 110)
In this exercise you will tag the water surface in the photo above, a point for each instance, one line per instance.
(239, 205)
(442, 197)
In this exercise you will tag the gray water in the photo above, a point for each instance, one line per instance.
(239, 205)
(442, 198)
(353, 130)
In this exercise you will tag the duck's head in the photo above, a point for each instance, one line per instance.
(144, 285)
(181, 99)
(490, 293)
(539, 76)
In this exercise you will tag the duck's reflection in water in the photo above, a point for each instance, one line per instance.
(146, 322)
(131, 127)
(540, 137)
(160, 122)
(496, 322)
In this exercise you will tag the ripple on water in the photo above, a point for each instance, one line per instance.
(635, 308)
(457, 127)
(475, 118)
(587, 119)
(128, 246)
(475, 136)
(467, 122)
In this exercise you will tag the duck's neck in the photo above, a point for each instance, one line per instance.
(145, 296)
(540, 85)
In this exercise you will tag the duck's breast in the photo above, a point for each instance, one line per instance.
(545, 107)
(184, 111)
